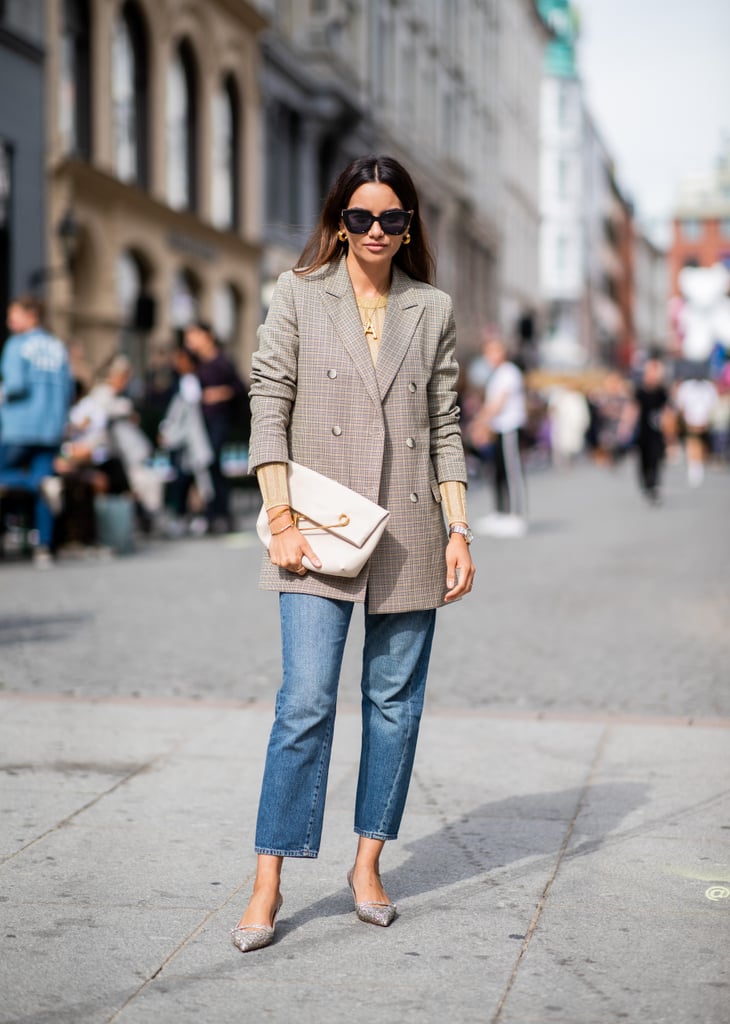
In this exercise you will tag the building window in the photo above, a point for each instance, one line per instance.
(692, 230)
(284, 143)
(130, 95)
(225, 201)
(184, 299)
(130, 282)
(182, 125)
(74, 93)
(561, 253)
(563, 106)
(24, 18)
(563, 178)
(226, 314)
(725, 227)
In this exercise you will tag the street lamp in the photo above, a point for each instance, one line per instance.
(68, 233)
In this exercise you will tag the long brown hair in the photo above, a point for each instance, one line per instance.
(324, 247)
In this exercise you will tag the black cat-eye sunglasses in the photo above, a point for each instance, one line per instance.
(393, 222)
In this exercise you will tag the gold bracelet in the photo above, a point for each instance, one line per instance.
(287, 527)
(286, 509)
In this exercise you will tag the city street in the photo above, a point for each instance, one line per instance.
(565, 854)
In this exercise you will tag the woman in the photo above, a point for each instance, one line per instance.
(355, 378)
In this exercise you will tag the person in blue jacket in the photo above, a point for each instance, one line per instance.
(35, 392)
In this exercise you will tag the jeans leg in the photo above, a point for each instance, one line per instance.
(23, 468)
(291, 808)
(395, 665)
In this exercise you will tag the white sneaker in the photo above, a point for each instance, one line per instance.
(51, 488)
(198, 526)
(42, 558)
(500, 525)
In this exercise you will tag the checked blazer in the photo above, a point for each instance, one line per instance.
(390, 432)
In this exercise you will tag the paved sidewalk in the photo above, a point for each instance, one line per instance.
(551, 870)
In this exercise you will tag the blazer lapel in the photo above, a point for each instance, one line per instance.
(403, 312)
(339, 301)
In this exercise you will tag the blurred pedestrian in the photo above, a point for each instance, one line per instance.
(183, 434)
(37, 389)
(615, 419)
(108, 446)
(695, 400)
(355, 377)
(569, 422)
(504, 416)
(224, 400)
(651, 400)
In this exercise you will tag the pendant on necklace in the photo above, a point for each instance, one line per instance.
(370, 329)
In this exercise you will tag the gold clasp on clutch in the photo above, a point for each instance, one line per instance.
(343, 520)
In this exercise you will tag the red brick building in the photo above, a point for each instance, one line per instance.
(701, 228)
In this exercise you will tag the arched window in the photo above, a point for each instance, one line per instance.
(225, 199)
(226, 314)
(130, 280)
(130, 95)
(184, 299)
(74, 93)
(182, 128)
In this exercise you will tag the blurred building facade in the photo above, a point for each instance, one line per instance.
(189, 146)
(651, 292)
(701, 222)
(523, 36)
(599, 276)
(451, 90)
(153, 165)
(22, 185)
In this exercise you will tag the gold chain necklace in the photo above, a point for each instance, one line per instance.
(366, 310)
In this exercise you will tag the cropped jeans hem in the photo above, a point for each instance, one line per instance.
(311, 854)
(374, 835)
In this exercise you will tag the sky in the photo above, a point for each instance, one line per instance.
(657, 80)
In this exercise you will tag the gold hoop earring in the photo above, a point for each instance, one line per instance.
(407, 238)
(342, 235)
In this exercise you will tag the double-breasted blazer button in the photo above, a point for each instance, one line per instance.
(410, 442)
(412, 387)
(332, 374)
(414, 496)
(337, 431)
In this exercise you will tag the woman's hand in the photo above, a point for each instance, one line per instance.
(289, 546)
(459, 568)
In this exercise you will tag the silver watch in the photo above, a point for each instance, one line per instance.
(465, 532)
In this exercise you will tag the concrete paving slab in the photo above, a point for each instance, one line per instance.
(67, 961)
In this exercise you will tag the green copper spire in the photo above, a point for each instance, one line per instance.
(562, 18)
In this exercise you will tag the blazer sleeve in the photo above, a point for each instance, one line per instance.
(447, 451)
(274, 378)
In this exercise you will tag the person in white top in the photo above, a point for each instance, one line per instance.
(505, 414)
(695, 400)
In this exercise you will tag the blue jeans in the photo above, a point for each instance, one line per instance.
(395, 663)
(22, 467)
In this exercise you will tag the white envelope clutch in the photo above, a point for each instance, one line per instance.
(341, 525)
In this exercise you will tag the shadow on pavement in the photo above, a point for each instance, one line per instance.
(490, 838)
(40, 628)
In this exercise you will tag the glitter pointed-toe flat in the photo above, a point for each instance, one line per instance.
(382, 914)
(255, 936)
